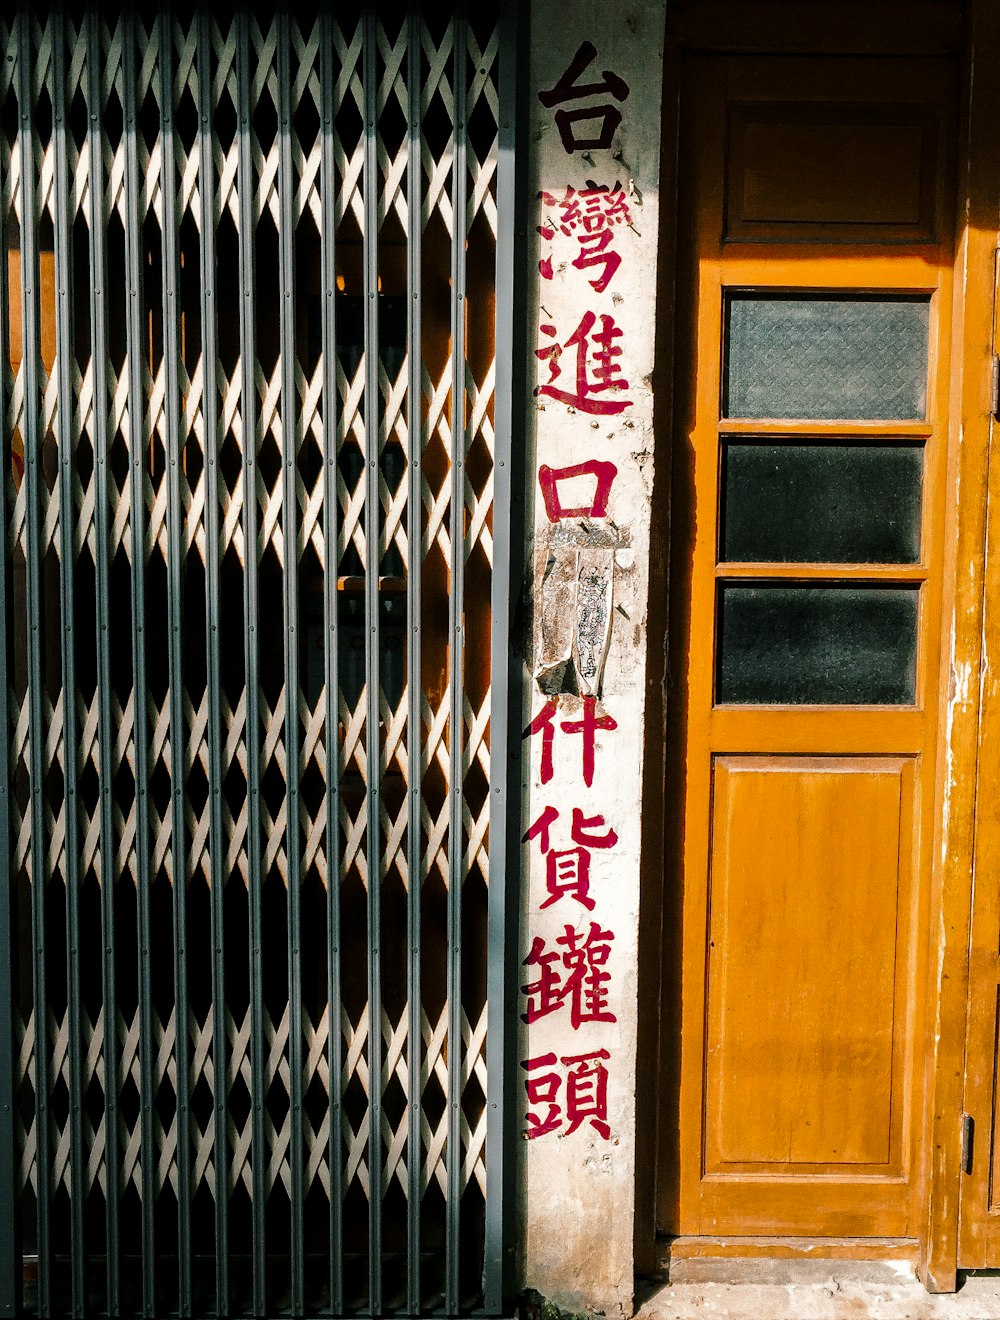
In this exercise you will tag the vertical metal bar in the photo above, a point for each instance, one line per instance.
(456, 619)
(290, 541)
(373, 682)
(98, 348)
(70, 735)
(331, 667)
(10, 1250)
(414, 713)
(216, 841)
(504, 835)
(248, 416)
(33, 554)
(135, 348)
(178, 848)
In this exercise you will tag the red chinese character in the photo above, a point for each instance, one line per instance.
(567, 870)
(568, 89)
(544, 723)
(548, 479)
(584, 988)
(587, 1092)
(542, 1091)
(590, 214)
(600, 375)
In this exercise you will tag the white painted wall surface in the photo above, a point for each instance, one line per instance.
(577, 1187)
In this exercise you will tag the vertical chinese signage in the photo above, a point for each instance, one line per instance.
(595, 94)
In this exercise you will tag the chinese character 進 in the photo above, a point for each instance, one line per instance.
(585, 985)
(597, 372)
(549, 477)
(567, 870)
(590, 215)
(568, 89)
(545, 724)
(586, 1094)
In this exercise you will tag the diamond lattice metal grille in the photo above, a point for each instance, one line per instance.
(249, 396)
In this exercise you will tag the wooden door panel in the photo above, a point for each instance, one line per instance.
(807, 875)
(804, 693)
(979, 1239)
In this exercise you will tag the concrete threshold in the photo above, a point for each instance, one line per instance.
(720, 1289)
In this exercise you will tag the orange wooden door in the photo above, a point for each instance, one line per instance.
(808, 478)
(979, 1226)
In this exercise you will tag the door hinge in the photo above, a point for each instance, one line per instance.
(995, 386)
(968, 1136)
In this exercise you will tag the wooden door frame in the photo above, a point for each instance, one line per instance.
(969, 489)
(969, 485)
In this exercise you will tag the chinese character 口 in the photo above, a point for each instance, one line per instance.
(548, 478)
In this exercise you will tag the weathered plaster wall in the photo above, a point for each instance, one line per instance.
(595, 142)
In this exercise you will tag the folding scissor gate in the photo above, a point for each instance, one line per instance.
(256, 322)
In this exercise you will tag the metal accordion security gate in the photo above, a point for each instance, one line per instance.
(256, 325)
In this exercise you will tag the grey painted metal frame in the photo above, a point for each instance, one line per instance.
(373, 677)
(31, 347)
(175, 642)
(505, 672)
(414, 712)
(99, 330)
(251, 628)
(290, 538)
(10, 1262)
(331, 668)
(456, 644)
(70, 734)
(216, 841)
(137, 532)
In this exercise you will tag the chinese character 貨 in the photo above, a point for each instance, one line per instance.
(567, 870)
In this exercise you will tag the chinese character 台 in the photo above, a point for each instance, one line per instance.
(605, 116)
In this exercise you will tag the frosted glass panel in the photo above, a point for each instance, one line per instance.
(820, 503)
(826, 358)
(817, 645)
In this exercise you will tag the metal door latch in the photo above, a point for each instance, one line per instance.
(968, 1135)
